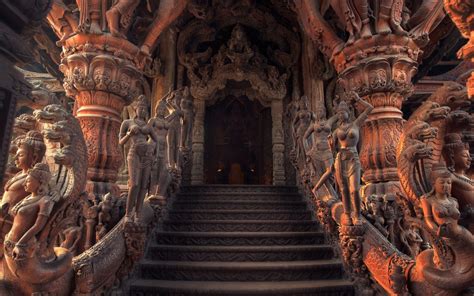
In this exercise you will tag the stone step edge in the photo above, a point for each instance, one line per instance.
(240, 222)
(254, 288)
(244, 201)
(242, 266)
(240, 249)
(241, 233)
(219, 211)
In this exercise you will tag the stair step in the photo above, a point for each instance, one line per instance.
(240, 225)
(239, 238)
(239, 215)
(239, 253)
(241, 271)
(258, 196)
(199, 288)
(238, 189)
(239, 205)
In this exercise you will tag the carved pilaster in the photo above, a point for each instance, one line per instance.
(462, 14)
(102, 84)
(197, 171)
(384, 81)
(278, 142)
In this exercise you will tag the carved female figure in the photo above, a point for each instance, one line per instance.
(301, 122)
(174, 119)
(31, 151)
(449, 267)
(120, 16)
(160, 169)
(438, 206)
(321, 152)
(29, 218)
(139, 158)
(355, 15)
(458, 160)
(188, 115)
(347, 165)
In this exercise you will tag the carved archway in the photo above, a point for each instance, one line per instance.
(209, 71)
(239, 60)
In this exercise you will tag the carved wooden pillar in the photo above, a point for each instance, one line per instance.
(278, 142)
(102, 82)
(377, 61)
(462, 14)
(382, 78)
(197, 171)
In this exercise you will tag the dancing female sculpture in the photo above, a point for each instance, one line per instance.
(321, 153)
(301, 122)
(140, 157)
(347, 165)
(29, 218)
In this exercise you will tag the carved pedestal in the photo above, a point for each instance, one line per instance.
(381, 75)
(102, 82)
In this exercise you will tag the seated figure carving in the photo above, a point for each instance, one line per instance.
(449, 266)
(458, 160)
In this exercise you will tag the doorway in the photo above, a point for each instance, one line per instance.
(238, 142)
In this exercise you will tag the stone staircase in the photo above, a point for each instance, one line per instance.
(239, 240)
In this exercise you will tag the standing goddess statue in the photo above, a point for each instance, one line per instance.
(347, 164)
(140, 157)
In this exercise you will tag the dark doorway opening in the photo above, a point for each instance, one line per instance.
(238, 142)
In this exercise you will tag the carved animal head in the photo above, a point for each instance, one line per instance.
(51, 113)
(59, 132)
(451, 94)
(422, 131)
(25, 123)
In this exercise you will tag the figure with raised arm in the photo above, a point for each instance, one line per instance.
(347, 164)
(321, 150)
(140, 157)
(160, 171)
